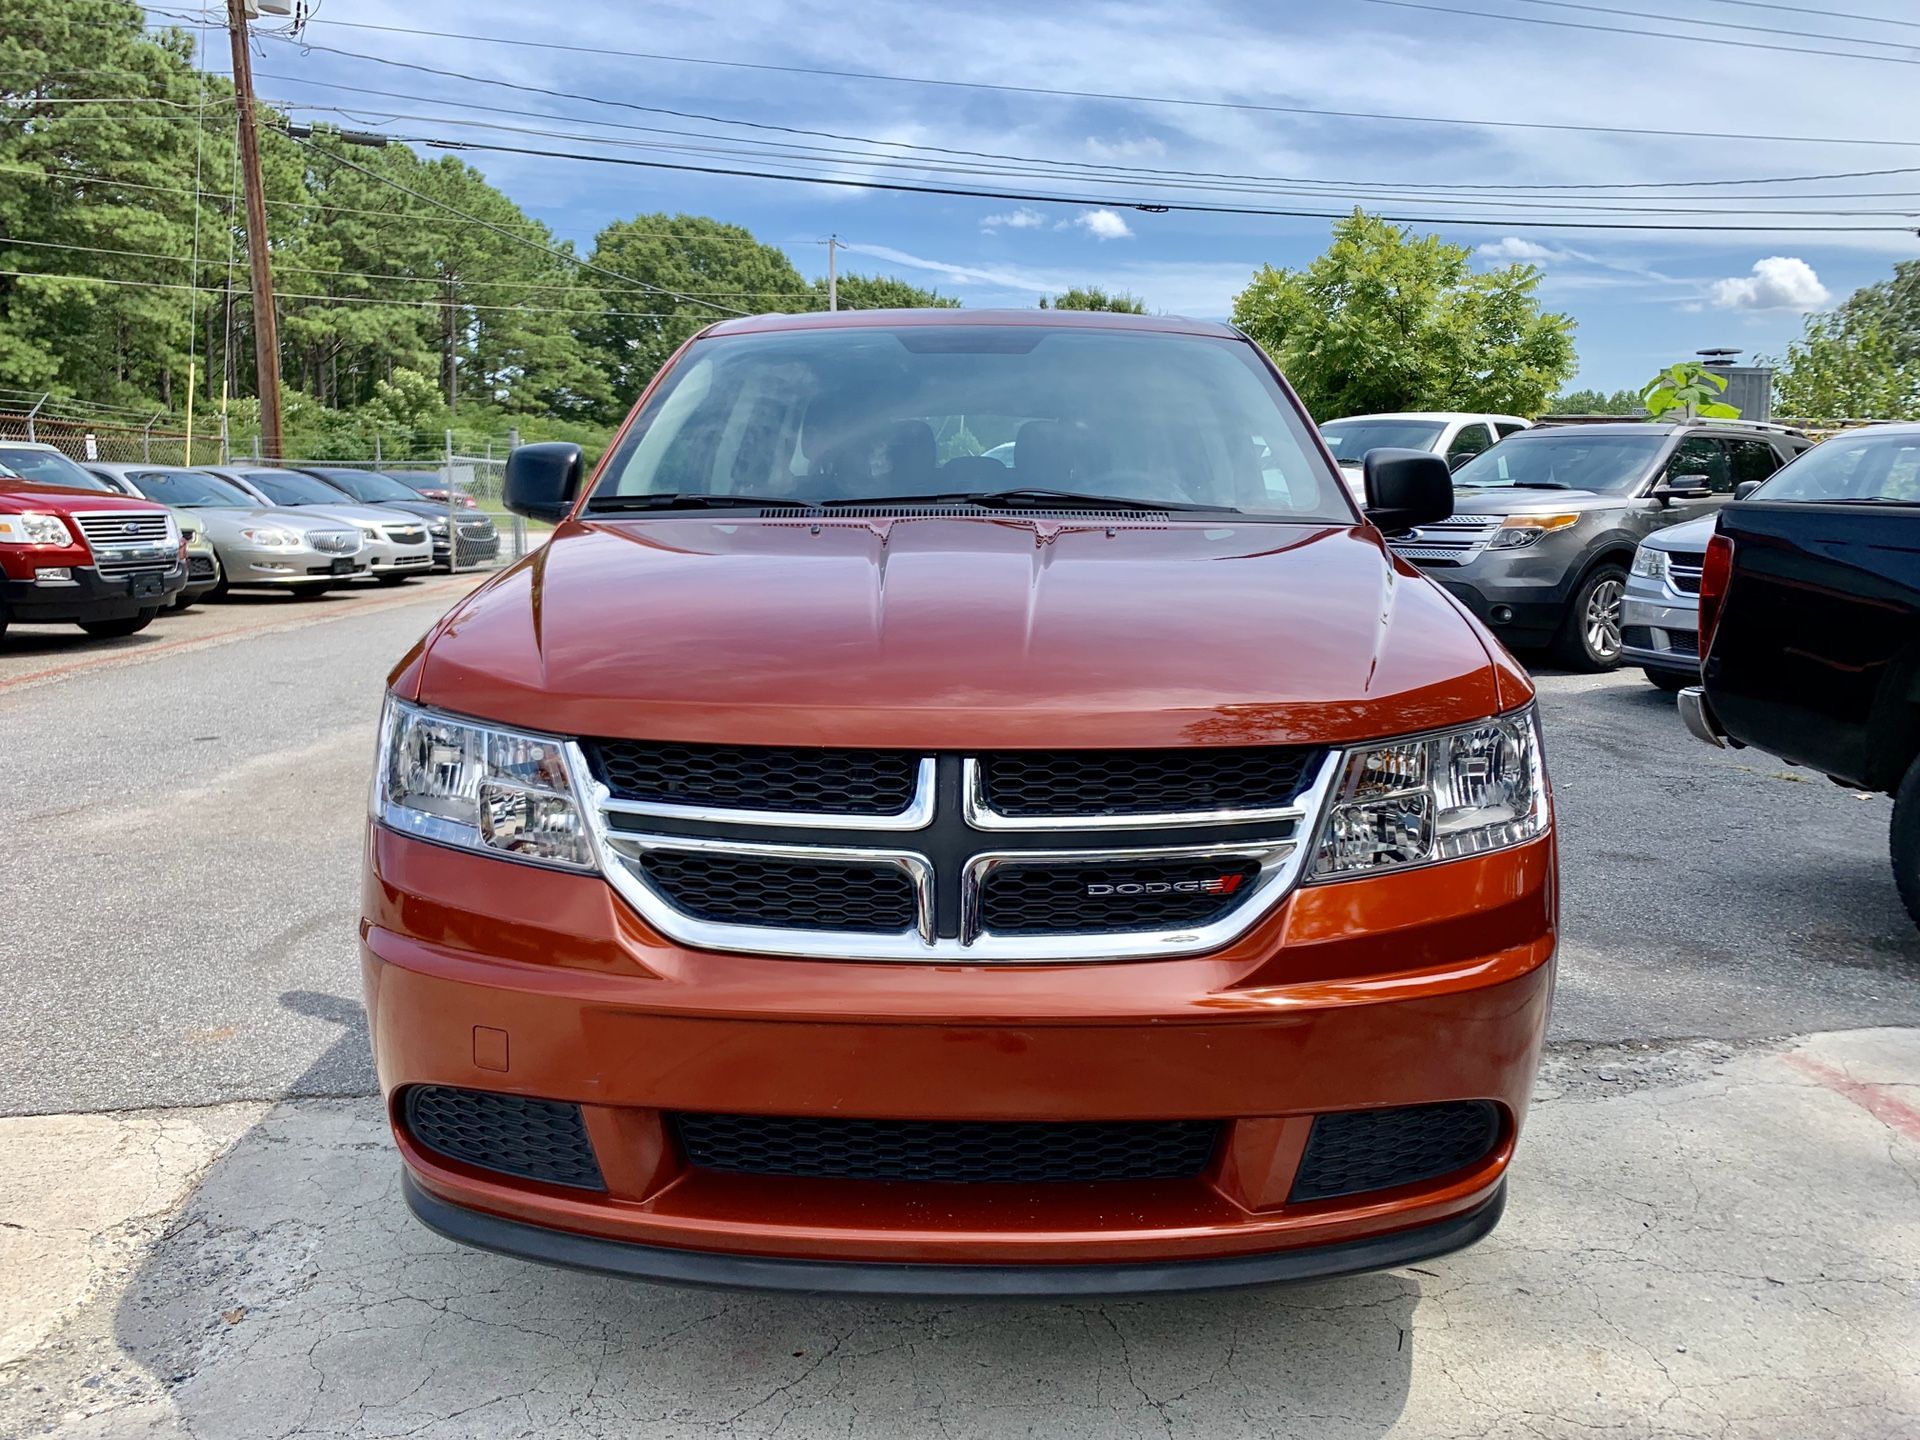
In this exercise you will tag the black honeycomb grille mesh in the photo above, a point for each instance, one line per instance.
(1144, 782)
(745, 777)
(536, 1139)
(1107, 898)
(1007, 1152)
(784, 894)
(1357, 1150)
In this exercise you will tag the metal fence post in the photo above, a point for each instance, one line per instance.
(146, 439)
(256, 445)
(376, 450)
(45, 396)
(519, 521)
(453, 523)
(226, 450)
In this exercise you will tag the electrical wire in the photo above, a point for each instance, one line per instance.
(1824, 14)
(1668, 18)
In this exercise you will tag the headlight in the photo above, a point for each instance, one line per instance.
(1650, 562)
(1519, 530)
(270, 538)
(1439, 797)
(371, 532)
(478, 786)
(34, 528)
(437, 527)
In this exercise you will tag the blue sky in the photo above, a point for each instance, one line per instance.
(1641, 300)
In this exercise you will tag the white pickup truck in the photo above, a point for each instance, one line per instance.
(1456, 435)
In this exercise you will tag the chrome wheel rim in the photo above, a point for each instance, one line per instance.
(1603, 619)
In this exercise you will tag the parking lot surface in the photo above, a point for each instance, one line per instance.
(1714, 1224)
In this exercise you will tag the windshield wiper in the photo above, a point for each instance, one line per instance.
(1029, 498)
(1538, 485)
(684, 501)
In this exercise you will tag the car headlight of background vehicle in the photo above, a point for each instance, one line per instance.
(269, 537)
(1650, 563)
(1436, 797)
(1517, 531)
(437, 527)
(482, 787)
(34, 528)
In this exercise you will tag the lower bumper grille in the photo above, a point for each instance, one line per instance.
(1357, 1150)
(200, 567)
(1110, 898)
(542, 1140)
(999, 1152)
(795, 894)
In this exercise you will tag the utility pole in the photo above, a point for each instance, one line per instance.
(266, 330)
(833, 272)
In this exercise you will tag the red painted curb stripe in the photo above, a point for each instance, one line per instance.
(1878, 1101)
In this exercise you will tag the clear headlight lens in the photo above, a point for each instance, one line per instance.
(1439, 797)
(34, 528)
(438, 527)
(272, 538)
(478, 786)
(1650, 562)
(371, 532)
(1517, 531)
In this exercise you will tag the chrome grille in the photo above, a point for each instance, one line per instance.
(130, 542)
(407, 534)
(335, 542)
(1683, 570)
(1453, 541)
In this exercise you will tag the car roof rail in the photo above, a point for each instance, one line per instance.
(1765, 425)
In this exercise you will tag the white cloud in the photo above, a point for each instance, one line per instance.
(1103, 225)
(1779, 282)
(1149, 148)
(1514, 248)
(1020, 218)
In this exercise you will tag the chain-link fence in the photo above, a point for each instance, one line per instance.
(480, 533)
(110, 442)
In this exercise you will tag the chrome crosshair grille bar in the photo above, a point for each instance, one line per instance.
(946, 847)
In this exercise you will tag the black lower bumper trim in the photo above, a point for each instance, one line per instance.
(754, 1272)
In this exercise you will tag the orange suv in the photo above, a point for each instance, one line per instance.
(845, 859)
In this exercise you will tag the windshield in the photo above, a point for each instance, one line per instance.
(191, 489)
(822, 416)
(49, 467)
(1351, 439)
(1861, 466)
(283, 487)
(1569, 459)
(367, 486)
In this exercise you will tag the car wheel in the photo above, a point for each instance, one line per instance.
(1589, 637)
(219, 590)
(114, 629)
(1667, 680)
(1903, 840)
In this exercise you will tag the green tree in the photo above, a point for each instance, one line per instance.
(1689, 387)
(880, 292)
(1387, 320)
(1596, 402)
(1845, 366)
(1092, 297)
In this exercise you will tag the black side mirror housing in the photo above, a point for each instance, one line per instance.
(543, 480)
(1683, 487)
(1405, 488)
(1746, 488)
(1454, 462)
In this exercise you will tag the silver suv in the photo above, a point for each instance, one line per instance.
(1545, 523)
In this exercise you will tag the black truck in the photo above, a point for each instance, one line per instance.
(1810, 625)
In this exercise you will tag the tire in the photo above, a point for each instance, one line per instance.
(115, 629)
(220, 586)
(1589, 636)
(1666, 680)
(1903, 841)
(390, 580)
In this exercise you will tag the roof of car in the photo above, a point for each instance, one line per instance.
(33, 445)
(1059, 319)
(1441, 415)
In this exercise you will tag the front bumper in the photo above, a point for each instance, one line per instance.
(1660, 628)
(384, 557)
(259, 567)
(90, 596)
(1521, 595)
(1427, 986)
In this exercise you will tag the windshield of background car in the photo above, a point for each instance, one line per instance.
(192, 489)
(922, 411)
(1861, 466)
(48, 467)
(1568, 459)
(1351, 439)
(283, 487)
(374, 489)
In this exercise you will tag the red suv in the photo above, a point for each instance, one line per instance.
(844, 859)
(72, 551)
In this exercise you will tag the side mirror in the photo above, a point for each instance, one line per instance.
(1746, 488)
(543, 480)
(1454, 462)
(1682, 487)
(1405, 488)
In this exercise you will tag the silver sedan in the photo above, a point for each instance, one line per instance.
(258, 547)
(397, 545)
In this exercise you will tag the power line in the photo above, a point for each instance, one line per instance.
(1824, 14)
(1641, 35)
(1715, 24)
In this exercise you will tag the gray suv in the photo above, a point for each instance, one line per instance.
(1545, 523)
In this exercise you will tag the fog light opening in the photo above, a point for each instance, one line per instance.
(1502, 614)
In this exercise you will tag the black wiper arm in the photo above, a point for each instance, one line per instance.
(681, 501)
(1539, 485)
(1027, 498)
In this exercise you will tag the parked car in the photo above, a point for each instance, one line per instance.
(203, 564)
(1810, 625)
(431, 485)
(1037, 887)
(479, 540)
(1660, 609)
(258, 547)
(1546, 522)
(1456, 435)
(74, 552)
(395, 548)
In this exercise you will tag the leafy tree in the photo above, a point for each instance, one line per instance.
(1690, 388)
(880, 292)
(1848, 365)
(1386, 320)
(1092, 297)
(1596, 402)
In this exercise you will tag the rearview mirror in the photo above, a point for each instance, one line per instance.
(1683, 487)
(1405, 488)
(542, 480)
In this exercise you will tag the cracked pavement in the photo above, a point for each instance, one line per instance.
(1713, 1230)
